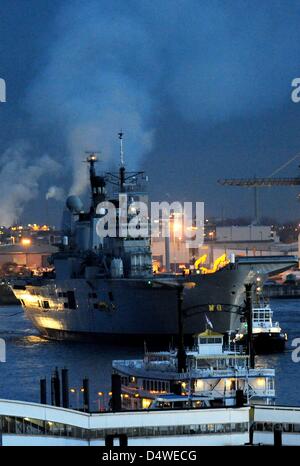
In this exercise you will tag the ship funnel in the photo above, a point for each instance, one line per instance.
(74, 204)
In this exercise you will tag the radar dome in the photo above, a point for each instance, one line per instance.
(74, 204)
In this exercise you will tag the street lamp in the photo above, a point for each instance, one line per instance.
(100, 401)
(75, 392)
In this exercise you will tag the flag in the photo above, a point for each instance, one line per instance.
(208, 322)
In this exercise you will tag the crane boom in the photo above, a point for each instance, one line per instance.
(259, 182)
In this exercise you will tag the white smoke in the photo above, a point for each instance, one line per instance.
(19, 180)
(54, 192)
(89, 94)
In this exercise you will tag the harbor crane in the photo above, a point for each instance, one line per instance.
(256, 183)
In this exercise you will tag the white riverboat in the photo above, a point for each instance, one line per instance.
(220, 375)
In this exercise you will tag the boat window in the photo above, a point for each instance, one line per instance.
(46, 305)
(71, 299)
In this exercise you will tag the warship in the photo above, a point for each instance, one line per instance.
(105, 286)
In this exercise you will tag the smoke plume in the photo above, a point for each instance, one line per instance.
(55, 192)
(19, 180)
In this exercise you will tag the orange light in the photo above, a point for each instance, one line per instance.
(26, 241)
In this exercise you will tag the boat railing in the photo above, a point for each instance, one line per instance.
(134, 363)
(234, 349)
(261, 392)
(233, 372)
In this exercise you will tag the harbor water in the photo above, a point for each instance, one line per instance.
(30, 357)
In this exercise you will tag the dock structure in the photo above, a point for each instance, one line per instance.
(32, 424)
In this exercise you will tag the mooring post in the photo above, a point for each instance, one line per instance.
(248, 310)
(181, 354)
(43, 391)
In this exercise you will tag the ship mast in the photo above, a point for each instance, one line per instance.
(122, 177)
(97, 182)
(122, 164)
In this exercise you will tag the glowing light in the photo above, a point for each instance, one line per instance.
(26, 241)
(200, 384)
(228, 383)
(146, 403)
(260, 382)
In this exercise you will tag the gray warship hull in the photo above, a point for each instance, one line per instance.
(140, 308)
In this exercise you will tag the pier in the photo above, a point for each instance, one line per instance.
(32, 424)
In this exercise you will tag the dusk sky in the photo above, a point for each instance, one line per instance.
(202, 90)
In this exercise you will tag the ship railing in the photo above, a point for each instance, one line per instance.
(161, 366)
(268, 392)
(261, 372)
(233, 372)
(134, 363)
(267, 324)
(234, 348)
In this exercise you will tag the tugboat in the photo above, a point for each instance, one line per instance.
(214, 376)
(267, 335)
